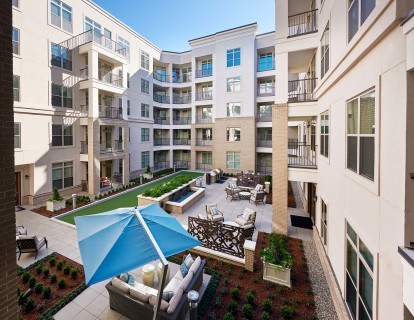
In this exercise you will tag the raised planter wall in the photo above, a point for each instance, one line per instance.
(55, 205)
(276, 274)
(181, 207)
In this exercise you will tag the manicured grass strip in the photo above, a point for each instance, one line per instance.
(128, 199)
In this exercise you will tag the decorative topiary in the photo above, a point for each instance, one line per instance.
(26, 277)
(52, 262)
(29, 305)
(265, 316)
(286, 311)
(233, 306)
(250, 297)
(235, 293)
(59, 265)
(74, 273)
(38, 288)
(32, 282)
(53, 278)
(46, 272)
(66, 269)
(56, 196)
(247, 311)
(39, 269)
(267, 305)
(47, 292)
(228, 316)
(61, 283)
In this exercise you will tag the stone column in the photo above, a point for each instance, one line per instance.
(249, 250)
(280, 168)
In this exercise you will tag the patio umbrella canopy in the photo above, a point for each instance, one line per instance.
(114, 242)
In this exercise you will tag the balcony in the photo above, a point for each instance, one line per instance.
(303, 23)
(204, 119)
(204, 73)
(182, 79)
(407, 261)
(264, 168)
(181, 99)
(161, 98)
(161, 77)
(182, 120)
(182, 142)
(162, 142)
(264, 118)
(266, 65)
(112, 146)
(162, 121)
(206, 95)
(107, 76)
(181, 164)
(159, 165)
(84, 147)
(301, 90)
(110, 113)
(263, 143)
(301, 155)
(204, 166)
(265, 91)
(204, 142)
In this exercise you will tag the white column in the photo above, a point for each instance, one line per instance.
(282, 78)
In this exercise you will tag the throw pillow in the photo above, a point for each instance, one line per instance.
(213, 211)
(189, 260)
(246, 215)
(167, 295)
(124, 277)
(131, 280)
(233, 185)
(258, 187)
(184, 269)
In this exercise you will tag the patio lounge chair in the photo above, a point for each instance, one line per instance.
(233, 185)
(213, 213)
(257, 197)
(27, 244)
(232, 194)
(248, 217)
(258, 188)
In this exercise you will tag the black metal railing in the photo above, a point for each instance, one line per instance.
(158, 165)
(107, 76)
(303, 23)
(182, 79)
(204, 73)
(263, 91)
(112, 146)
(264, 143)
(182, 120)
(181, 99)
(162, 142)
(264, 168)
(84, 147)
(161, 77)
(264, 118)
(204, 166)
(182, 142)
(161, 98)
(84, 73)
(206, 95)
(181, 164)
(204, 119)
(265, 65)
(204, 142)
(301, 154)
(163, 121)
(301, 90)
(110, 112)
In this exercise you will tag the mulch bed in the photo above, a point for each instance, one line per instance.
(299, 299)
(42, 305)
(48, 214)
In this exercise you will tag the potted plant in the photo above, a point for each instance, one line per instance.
(56, 202)
(148, 174)
(277, 261)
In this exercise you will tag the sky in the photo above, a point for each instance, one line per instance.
(169, 24)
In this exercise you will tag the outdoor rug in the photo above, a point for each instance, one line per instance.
(301, 222)
(18, 208)
(220, 181)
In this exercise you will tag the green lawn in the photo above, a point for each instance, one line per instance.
(128, 199)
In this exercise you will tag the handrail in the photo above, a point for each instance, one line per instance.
(301, 154)
(303, 23)
(301, 90)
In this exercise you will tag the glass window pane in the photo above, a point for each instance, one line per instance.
(57, 174)
(68, 171)
(367, 157)
(365, 287)
(56, 141)
(353, 20)
(68, 140)
(351, 296)
(352, 118)
(56, 130)
(55, 9)
(57, 184)
(351, 233)
(366, 254)
(363, 315)
(68, 182)
(67, 15)
(351, 261)
(352, 149)
(366, 8)
(367, 107)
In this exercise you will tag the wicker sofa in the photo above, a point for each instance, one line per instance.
(135, 308)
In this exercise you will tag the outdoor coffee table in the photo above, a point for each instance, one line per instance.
(244, 195)
(231, 223)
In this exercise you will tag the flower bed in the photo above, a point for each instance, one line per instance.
(55, 281)
(160, 190)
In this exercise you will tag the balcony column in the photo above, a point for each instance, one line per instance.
(93, 68)
(93, 107)
(280, 168)
(93, 156)
(282, 72)
(124, 75)
(282, 13)
(124, 106)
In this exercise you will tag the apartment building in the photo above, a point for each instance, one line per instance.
(95, 101)
(345, 82)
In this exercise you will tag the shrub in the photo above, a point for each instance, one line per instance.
(59, 265)
(235, 293)
(228, 316)
(26, 277)
(233, 306)
(226, 281)
(277, 253)
(52, 262)
(53, 278)
(66, 269)
(311, 303)
(39, 269)
(265, 316)
(212, 316)
(41, 307)
(29, 305)
(56, 196)
(267, 306)
(271, 295)
(46, 272)
(61, 283)
(247, 311)
(74, 273)
(21, 299)
(32, 282)
(38, 288)
(217, 301)
(174, 183)
(286, 311)
(250, 298)
(47, 292)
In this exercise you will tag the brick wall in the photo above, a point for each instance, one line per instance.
(8, 301)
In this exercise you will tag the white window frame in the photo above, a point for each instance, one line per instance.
(206, 157)
(145, 60)
(16, 42)
(64, 54)
(64, 165)
(145, 110)
(145, 159)
(145, 134)
(359, 22)
(232, 164)
(62, 96)
(62, 136)
(63, 24)
(232, 84)
(324, 223)
(325, 46)
(18, 126)
(144, 86)
(232, 108)
(231, 59)
(128, 107)
(231, 135)
(323, 135)
(16, 88)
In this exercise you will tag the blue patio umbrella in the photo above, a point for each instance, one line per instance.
(123, 239)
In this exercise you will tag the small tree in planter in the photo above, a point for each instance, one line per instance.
(56, 202)
(277, 261)
(148, 174)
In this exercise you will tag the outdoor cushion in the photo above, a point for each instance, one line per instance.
(202, 216)
(259, 187)
(139, 294)
(124, 277)
(195, 265)
(143, 288)
(179, 275)
(131, 280)
(184, 269)
(117, 283)
(175, 300)
(186, 281)
(240, 221)
(173, 285)
(214, 211)
(218, 217)
(167, 295)
(189, 261)
(153, 301)
(233, 185)
(246, 215)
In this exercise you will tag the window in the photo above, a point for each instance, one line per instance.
(233, 57)
(16, 88)
(62, 175)
(266, 61)
(233, 134)
(206, 113)
(61, 57)
(144, 86)
(233, 160)
(266, 87)
(361, 135)
(15, 3)
(206, 157)
(359, 276)
(207, 134)
(128, 76)
(325, 51)
(125, 44)
(144, 110)
(128, 107)
(62, 135)
(233, 109)
(206, 68)
(145, 134)
(325, 134)
(96, 27)
(61, 96)
(17, 135)
(61, 15)
(324, 223)
(145, 61)
(233, 84)
(358, 12)
(265, 112)
(16, 41)
(145, 159)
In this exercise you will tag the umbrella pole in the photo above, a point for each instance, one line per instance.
(163, 261)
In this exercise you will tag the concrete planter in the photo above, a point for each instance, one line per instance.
(276, 274)
(148, 175)
(55, 205)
